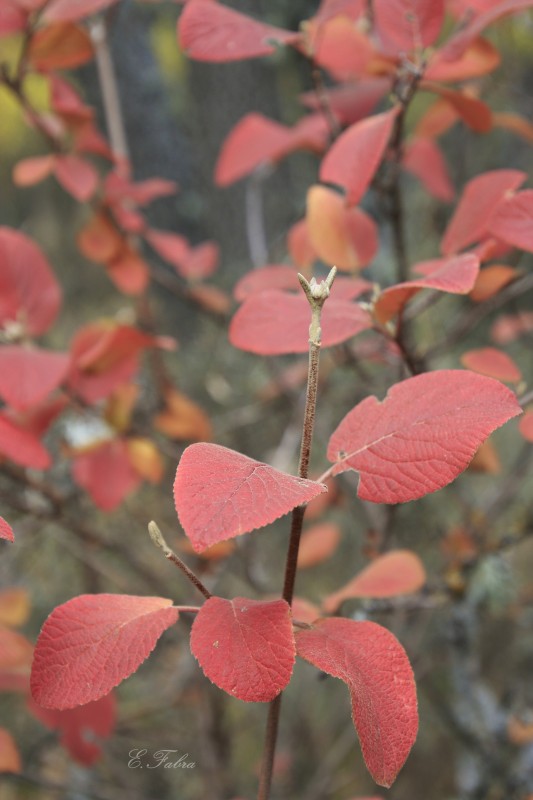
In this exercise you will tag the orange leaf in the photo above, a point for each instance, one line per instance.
(62, 45)
(344, 237)
(9, 755)
(474, 113)
(145, 458)
(486, 460)
(491, 280)
(30, 171)
(14, 607)
(492, 362)
(396, 572)
(318, 544)
(183, 419)
(99, 240)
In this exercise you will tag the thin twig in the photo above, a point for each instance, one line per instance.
(157, 538)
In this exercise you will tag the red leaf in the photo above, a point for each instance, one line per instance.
(201, 262)
(509, 327)
(220, 494)
(375, 667)
(492, 362)
(107, 474)
(170, 246)
(209, 31)
(350, 103)
(456, 46)
(73, 10)
(16, 653)
(76, 176)
(512, 220)
(30, 171)
(344, 237)
(245, 647)
(318, 544)
(480, 58)
(424, 159)
(422, 436)
(29, 374)
(253, 141)
(396, 572)
(28, 288)
(480, 198)
(82, 727)
(407, 25)
(354, 158)
(6, 531)
(474, 113)
(342, 49)
(129, 272)
(12, 19)
(274, 323)
(456, 275)
(525, 426)
(21, 446)
(273, 276)
(90, 644)
(118, 189)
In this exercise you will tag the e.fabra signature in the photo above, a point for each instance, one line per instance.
(168, 759)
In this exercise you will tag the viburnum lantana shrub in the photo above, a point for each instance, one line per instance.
(368, 61)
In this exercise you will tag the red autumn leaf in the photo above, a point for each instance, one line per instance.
(107, 474)
(407, 25)
(81, 728)
(355, 156)
(342, 49)
(220, 494)
(170, 246)
(480, 58)
(6, 531)
(118, 189)
(422, 436)
(61, 45)
(375, 667)
(30, 171)
(474, 113)
(318, 544)
(480, 198)
(12, 19)
(29, 374)
(66, 101)
(16, 654)
(72, 10)
(439, 118)
(525, 426)
(423, 158)
(275, 323)
(255, 140)
(245, 647)
(510, 327)
(492, 362)
(210, 31)
(491, 280)
(29, 291)
(456, 46)
(350, 103)
(344, 237)
(273, 276)
(76, 176)
(301, 250)
(201, 262)
(456, 275)
(99, 240)
(22, 446)
(396, 572)
(512, 220)
(515, 123)
(90, 644)
(10, 760)
(129, 272)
